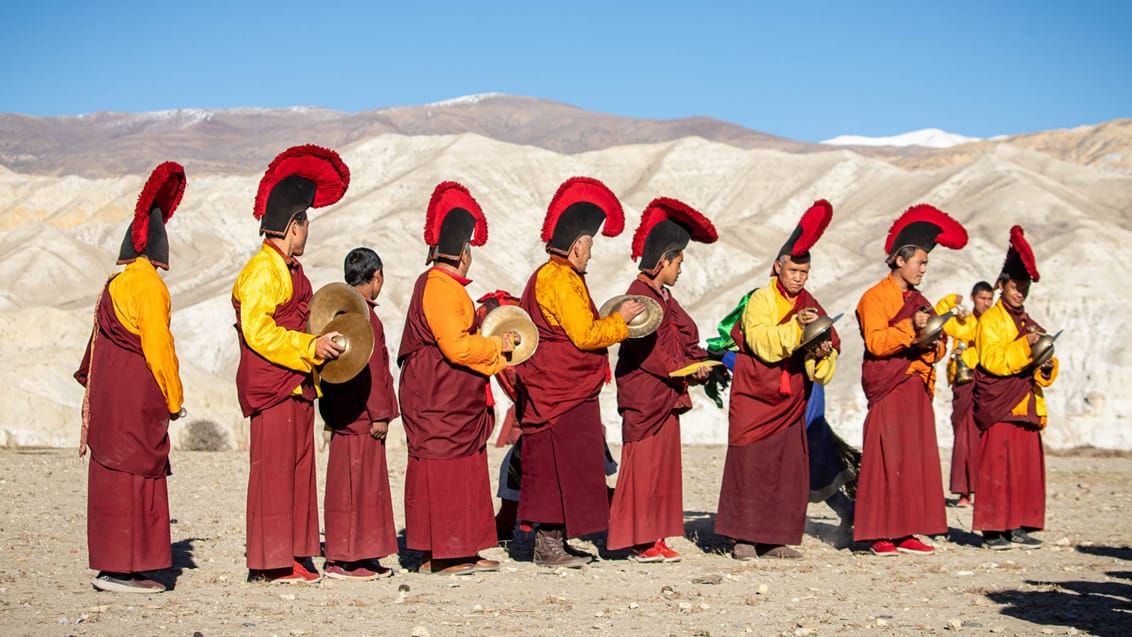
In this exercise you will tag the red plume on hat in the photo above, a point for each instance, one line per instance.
(695, 224)
(810, 228)
(163, 189)
(322, 166)
(925, 226)
(447, 196)
(580, 206)
(1020, 263)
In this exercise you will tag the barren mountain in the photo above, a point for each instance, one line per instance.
(60, 236)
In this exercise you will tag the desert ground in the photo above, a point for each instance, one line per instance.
(1080, 582)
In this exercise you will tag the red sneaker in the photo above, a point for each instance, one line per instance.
(275, 576)
(884, 548)
(668, 554)
(355, 571)
(301, 571)
(651, 554)
(912, 545)
(964, 501)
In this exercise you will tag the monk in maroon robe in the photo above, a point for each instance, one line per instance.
(900, 489)
(563, 488)
(133, 390)
(648, 504)
(358, 508)
(274, 380)
(766, 477)
(1010, 409)
(445, 368)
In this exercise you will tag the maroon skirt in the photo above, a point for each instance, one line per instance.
(564, 473)
(900, 489)
(448, 506)
(765, 490)
(965, 448)
(648, 503)
(282, 519)
(358, 508)
(127, 521)
(1012, 479)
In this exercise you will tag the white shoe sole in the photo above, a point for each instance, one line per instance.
(114, 586)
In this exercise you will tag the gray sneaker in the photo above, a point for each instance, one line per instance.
(1024, 540)
(996, 541)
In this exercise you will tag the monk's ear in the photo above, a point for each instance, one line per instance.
(777, 267)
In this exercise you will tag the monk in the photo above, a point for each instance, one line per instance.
(1010, 410)
(133, 391)
(765, 490)
(563, 488)
(900, 489)
(445, 367)
(358, 506)
(648, 502)
(274, 380)
(961, 328)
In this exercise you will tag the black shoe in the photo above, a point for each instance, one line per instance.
(996, 540)
(1024, 540)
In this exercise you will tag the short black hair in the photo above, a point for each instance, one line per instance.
(982, 286)
(905, 252)
(360, 266)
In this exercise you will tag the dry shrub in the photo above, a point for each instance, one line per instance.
(204, 435)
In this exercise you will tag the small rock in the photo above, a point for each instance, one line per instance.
(763, 589)
(955, 624)
(1062, 542)
(599, 614)
(61, 620)
(287, 596)
(420, 631)
(682, 605)
(704, 606)
(708, 579)
(101, 608)
(298, 631)
(802, 632)
(222, 578)
(477, 608)
(404, 588)
(964, 573)
(666, 590)
(198, 634)
(633, 605)
(882, 621)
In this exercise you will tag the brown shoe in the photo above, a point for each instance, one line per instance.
(484, 565)
(549, 550)
(447, 567)
(744, 552)
(778, 551)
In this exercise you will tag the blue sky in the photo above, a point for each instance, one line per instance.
(805, 70)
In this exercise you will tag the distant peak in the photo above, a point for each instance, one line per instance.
(926, 137)
(467, 100)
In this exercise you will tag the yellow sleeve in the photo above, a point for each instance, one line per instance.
(880, 338)
(767, 339)
(260, 288)
(1045, 381)
(563, 299)
(1001, 352)
(449, 313)
(145, 300)
(957, 328)
(821, 370)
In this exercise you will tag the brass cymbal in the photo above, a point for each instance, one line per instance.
(512, 318)
(357, 337)
(931, 331)
(822, 326)
(642, 324)
(331, 300)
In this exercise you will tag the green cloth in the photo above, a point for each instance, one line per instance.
(720, 379)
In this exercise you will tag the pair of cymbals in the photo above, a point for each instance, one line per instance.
(512, 318)
(642, 324)
(818, 330)
(338, 307)
(932, 329)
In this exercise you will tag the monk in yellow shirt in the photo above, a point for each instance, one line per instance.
(1010, 409)
(961, 328)
(563, 488)
(133, 391)
(274, 380)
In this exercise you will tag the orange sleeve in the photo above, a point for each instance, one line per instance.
(450, 314)
(881, 339)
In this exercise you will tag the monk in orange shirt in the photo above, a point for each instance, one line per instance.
(900, 489)
(445, 369)
(133, 390)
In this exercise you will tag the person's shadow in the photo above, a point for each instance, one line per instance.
(1100, 608)
(182, 559)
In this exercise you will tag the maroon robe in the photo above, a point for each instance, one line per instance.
(358, 508)
(965, 448)
(766, 484)
(1011, 471)
(900, 487)
(448, 504)
(648, 503)
(282, 518)
(127, 497)
(564, 443)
